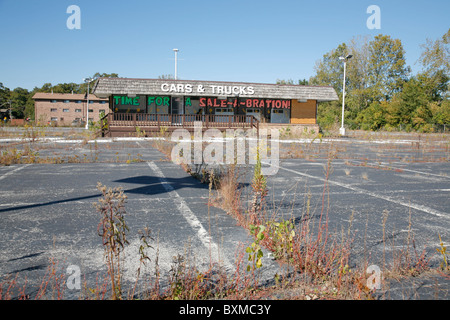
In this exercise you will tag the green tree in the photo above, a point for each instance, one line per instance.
(441, 112)
(67, 88)
(5, 94)
(410, 106)
(19, 97)
(373, 117)
(329, 70)
(376, 72)
(105, 75)
(302, 82)
(435, 61)
(387, 71)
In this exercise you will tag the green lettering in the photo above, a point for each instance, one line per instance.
(150, 100)
(166, 101)
(128, 100)
(158, 101)
(136, 101)
(116, 100)
(188, 102)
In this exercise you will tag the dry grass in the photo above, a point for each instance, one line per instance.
(316, 258)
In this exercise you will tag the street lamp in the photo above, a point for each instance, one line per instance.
(342, 129)
(176, 51)
(88, 80)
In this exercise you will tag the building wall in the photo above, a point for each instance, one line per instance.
(304, 112)
(64, 113)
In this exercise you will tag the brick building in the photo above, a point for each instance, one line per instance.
(67, 108)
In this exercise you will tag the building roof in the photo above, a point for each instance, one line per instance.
(104, 87)
(63, 96)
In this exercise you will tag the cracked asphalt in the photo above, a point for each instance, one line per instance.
(47, 210)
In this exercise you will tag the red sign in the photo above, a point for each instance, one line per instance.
(248, 103)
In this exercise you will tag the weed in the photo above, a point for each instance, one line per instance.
(443, 251)
(282, 235)
(186, 282)
(254, 250)
(259, 191)
(113, 229)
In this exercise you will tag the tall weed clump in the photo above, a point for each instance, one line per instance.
(113, 230)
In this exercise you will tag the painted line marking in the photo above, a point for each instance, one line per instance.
(15, 170)
(408, 170)
(190, 217)
(375, 195)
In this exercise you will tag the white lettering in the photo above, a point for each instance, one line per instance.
(74, 21)
(247, 309)
(181, 153)
(74, 280)
(374, 21)
(164, 87)
(196, 310)
(215, 89)
(374, 281)
(213, 153)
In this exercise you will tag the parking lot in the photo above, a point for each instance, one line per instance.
(372, 190)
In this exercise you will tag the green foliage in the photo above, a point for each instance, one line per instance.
(373, 117)
(259, 190)
(113, 230)
(254, 251)
(443, 251)
(282, 236)
(387, 67)
(302, 82)
(381, 94)
(22, 102)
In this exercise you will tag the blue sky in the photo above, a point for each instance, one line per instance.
(249, 41)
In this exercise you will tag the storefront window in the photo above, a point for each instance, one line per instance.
(158, 104)
(192, 106)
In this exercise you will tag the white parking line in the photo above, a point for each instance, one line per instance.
(192, 220)
(15, 170)
(375, 195)
(403, 169)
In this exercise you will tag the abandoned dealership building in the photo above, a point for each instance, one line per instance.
(153, 103)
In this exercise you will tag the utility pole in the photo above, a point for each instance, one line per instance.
(176, 51)
(342, 129)
(88, 80)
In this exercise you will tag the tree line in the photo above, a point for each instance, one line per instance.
(381, 91)
(21, 100)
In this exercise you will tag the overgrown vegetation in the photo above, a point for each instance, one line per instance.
(381, 92)
(316, 258)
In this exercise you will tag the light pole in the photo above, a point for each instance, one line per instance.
(345, 59)
(176, 51)
(88, 80)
